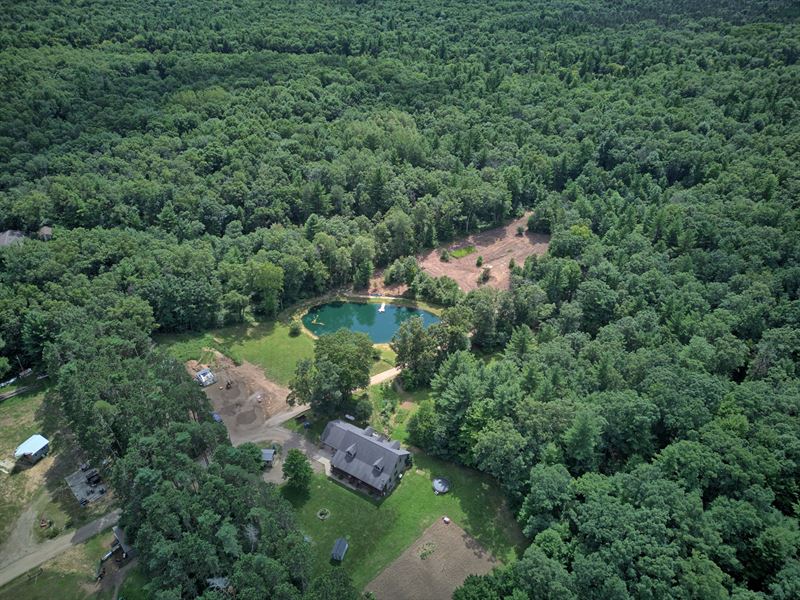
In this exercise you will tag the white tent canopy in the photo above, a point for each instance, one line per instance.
(31, 446)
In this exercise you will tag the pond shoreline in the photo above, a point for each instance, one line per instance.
(364, 316)
(302, 307)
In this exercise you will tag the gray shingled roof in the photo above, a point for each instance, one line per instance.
(362, 453)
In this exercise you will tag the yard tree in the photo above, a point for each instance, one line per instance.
(417, 352)
(297, 469)
(333, 584)
(5, 367)
(349, 354)
(266, 285)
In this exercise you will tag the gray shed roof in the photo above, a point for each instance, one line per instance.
(340, 547)
(267, 454)
(120, 536)
(362, 453)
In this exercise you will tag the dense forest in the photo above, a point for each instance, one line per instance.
(637, 389)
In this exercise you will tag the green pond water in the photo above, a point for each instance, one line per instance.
(363, 317)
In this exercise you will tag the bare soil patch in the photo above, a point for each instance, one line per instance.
(497, 247)
(242, 395)
(433, 566)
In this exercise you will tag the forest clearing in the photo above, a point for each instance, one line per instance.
(497, 247)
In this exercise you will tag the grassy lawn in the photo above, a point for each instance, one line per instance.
(267, 345)
(378, 532)
(386, 361)
(17, 423)
(313, 432)
(68, 577)
(462, 252)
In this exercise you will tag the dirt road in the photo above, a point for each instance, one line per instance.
(385, 376)
(52, 548)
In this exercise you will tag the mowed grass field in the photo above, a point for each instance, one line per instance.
(267, 345)
(378, 532)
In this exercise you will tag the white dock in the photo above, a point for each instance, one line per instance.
(383, 307)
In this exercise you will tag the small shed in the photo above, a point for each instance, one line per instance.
(340, 547)
(205, 377)
(121, 540)
(267, 456)
(216, 416)
(33, 449)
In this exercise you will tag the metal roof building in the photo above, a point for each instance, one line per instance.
(340, 547)
(34, 448)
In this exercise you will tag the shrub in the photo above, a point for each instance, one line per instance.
(520, 230)
(295, 328)
(479, 262)
(445, 256)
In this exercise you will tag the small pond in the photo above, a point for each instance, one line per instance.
(378, 321)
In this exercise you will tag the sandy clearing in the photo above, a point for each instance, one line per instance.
(242, 396)
(497, 247)
(433, 566)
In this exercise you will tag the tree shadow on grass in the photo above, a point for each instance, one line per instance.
(296, 497)
(67, 459)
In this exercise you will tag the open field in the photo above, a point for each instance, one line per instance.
(379, 532)
(267, 345)
(497, 246)
(30, 493)
(18, 488)
(68, 577)
(433, 566)
(386, 361)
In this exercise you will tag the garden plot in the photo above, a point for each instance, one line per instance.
(433, 566)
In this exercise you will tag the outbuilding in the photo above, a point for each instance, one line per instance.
(205, 377)
(33, 449)
(268, 456)
(121, 542)
(340, 547)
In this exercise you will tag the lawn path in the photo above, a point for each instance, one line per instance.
(385, 376)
